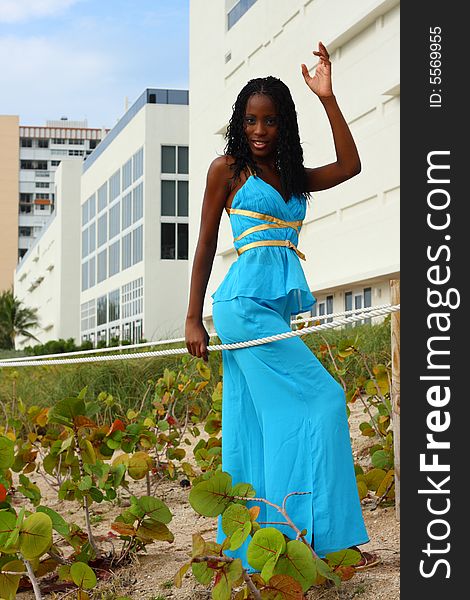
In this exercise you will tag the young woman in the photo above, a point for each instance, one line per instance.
(284, 422)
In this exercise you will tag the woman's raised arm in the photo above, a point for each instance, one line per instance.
(348, 163)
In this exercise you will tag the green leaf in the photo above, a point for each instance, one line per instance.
(203, 370)
(298, 563)
(7, 452)
(85, 483)
(155, 509)
(345, 558)
(83, 576)
(382, 460)
(59, 524)
(324, 570)
(264, 544)
(154, 530)
(234, 517)
(269, 565)
(210, 498)
(240, 535)
(96, 494)
(362, 488)
(243, 489)
(9, 583)
(36, 535)
(222, 589)
(7, 525)
(374, 478)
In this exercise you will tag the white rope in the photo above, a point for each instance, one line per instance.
(126, 347)
(372, 312)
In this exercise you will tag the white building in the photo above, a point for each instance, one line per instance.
(350, 235)
(48, 278)
(41, 151)
(30, 156)
(134, 224)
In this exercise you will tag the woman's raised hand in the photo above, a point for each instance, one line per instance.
(320, 83)
(197, 339)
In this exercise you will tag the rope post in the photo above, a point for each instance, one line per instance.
(395, 331)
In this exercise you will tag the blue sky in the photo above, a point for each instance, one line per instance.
(81, 58)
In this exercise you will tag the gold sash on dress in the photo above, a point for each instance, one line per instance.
(273, 223)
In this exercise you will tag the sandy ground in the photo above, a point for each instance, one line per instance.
(151, 575)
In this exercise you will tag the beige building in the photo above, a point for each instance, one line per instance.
(9, 190)
(350, 235)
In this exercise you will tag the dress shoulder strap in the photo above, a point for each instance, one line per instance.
(250, 169)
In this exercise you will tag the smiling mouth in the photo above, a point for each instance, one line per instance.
(259, 144)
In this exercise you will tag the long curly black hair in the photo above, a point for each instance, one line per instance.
(290, 159)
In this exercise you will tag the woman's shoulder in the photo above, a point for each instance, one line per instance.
(221, 169)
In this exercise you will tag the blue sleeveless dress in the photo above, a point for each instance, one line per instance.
(284, 420)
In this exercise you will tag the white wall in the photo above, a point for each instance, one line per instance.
(48, 277)
(351, 233)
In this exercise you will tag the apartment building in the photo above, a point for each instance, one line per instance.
(350, 235)
(30, 183)
(134, 224)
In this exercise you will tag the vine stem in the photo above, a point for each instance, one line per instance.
(32, 577)
(283, 512)
(86, 505)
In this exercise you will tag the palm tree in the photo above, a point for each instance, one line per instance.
(15, 319)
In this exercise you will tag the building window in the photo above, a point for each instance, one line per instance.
(26, 142)
(183, 160)
(168, 159)
(102, 229)
(88, 315)
(348, 299)
(92, 237)
(182, 241)
(114, 258)
(42, 184)
(127, 174)
(329, 308)
(43, 143)
(102, 256)
(137, 203)
(237, 12)
(25, 231)
(38, 165)
(168, 200)
(138, 162)
(101, 310)
(91, 272)
(113, 303)
(127, 251)
(132, 298)
(183, 205)
(367, 302)
(115, 185)
(137, 244)
(127, 211)
(84, 243)
(103, 197)
(55, 163)
(114, 220)
(84, 276)
(168, 237)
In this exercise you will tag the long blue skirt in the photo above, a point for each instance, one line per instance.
(285, 429)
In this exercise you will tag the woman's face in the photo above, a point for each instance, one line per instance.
(261, 125)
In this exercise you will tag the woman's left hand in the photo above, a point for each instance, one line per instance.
(320, 83)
